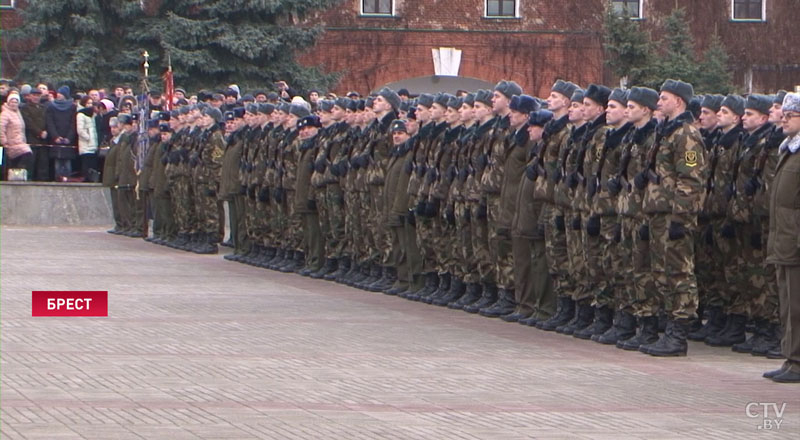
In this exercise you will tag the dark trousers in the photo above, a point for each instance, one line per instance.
(89, 162)
(789, 296)
(25, 161)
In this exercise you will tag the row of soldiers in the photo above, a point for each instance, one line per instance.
(585, 218)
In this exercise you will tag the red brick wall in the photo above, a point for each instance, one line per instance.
(550, 40)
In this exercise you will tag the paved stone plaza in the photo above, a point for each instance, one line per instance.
(199, 347)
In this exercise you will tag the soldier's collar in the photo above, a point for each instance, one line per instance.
(726, 140)
(753, 138)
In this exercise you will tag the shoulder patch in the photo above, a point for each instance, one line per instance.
(691, 158)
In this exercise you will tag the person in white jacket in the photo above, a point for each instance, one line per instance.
(87, 139)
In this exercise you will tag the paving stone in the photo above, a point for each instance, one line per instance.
(199, 347)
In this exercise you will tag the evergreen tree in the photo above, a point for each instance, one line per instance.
(629, 50)
(76, 40)
(213, 43)
(678, 60)
(714, 75)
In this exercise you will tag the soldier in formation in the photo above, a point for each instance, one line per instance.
(581, 213)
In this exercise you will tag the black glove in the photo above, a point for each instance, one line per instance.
(432, 208)
(463, 174)
(576, 224)
(451, 173)
(194, 160)
(263, 195)
(540, 229)
(572, 180)
(676, 231)
(420, 209)
(751, 186)
(354, 163)
(467, 215)
(618, 232)
(755, 240)
(591, 187)
(560, 225)
(708, 235)
(174, 157)
(431, 176)
(558, 175)
(319, 166)
(483, 160)
(277, 194)
(242, 190)
(210, 192)
(363, 160)
(335, 170)
(530, 172)
(421, 168)
(164, 159)
(251, 192)
(311, 204)
(408, 168)
(411, 218)
(730, 191)
(450, 216)
(482, 213)
(614, 186)
(640, 181)
(728, 231)
(593, 226)
(644, 233)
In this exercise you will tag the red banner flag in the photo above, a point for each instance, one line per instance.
(169, 88)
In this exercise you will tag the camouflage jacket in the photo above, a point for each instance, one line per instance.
(722, 161)
(461, 163)
(633, 160)
(478, 154)
(432, 146)
(492, 178)
(589, 161)
(568, 161)
(680, 169)
(545, 158)
(288, 158)
(751, 157)
(380, 144)
(306, 152)
(212, 149)
(603, 203)
(516, 157)
(444, 164)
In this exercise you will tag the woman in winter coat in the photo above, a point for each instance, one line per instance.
(12, 135)
(87, 138)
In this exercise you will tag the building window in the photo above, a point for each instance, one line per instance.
(627, 8)
(377, 7)
(6, 4)
(749, 10)
(502, 8)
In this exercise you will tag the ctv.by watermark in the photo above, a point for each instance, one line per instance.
(770, 414)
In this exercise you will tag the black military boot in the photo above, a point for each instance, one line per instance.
(294, 262)
(759, 330)
(770, 340)
(386, 281)
(355, 268)
(303, 267)
(274, 263)
(472, 293)
(207, 244)
(182, 240)
(374, 274)
(733, 334)
(457, 289)
(505, 304)
(647, 334)
(715, 321)
(431, 284)
(364, 269)
(488, 298)
(624, 328)
(672, 342)
(327, 268)
(441, 290)
(584, 317)
(603, 320)
(565, 312)
(342, 267)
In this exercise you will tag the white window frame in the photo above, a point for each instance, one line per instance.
(751, 20)
(11, 6)
(641, 12)
(486, 10)
(376, 14)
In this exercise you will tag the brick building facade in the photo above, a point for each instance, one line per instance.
(375, 42)
(542, 40)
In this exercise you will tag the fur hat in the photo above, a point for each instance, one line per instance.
(577, 95)
(619, 95)
(523, 104)
(735, 103)
(565, 88)
(682, 89)
(644, 96)
(712, 102)
(508, 88)
(759, 103)
(399, 125)
(391, 96)
(791, 103)
(309, 121)
(299, 110)
(540, 117)
(425, 100)
(597, 93)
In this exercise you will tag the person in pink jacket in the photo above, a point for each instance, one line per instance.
(12, 135)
